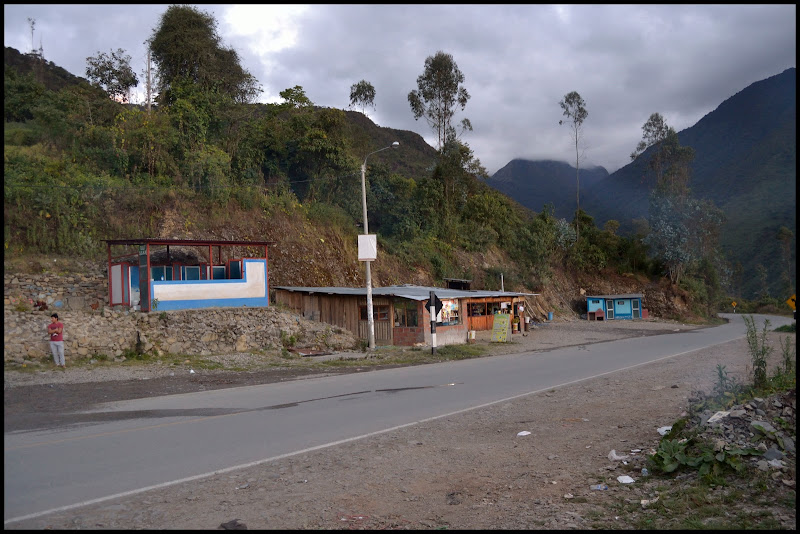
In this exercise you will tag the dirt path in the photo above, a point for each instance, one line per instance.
(468, 471)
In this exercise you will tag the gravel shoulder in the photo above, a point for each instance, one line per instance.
(467, 471)
(544, 336)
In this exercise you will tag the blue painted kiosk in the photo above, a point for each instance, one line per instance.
(612, 307)
(143, 279)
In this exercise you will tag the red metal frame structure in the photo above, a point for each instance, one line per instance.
(147, 243)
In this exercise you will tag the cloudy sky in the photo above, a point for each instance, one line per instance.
(626, 61)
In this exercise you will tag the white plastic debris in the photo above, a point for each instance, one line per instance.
(614, 456)
(625, 479)
(648, 502)
(718, 416)
(191, 371)
(664, 430)
(523, 433)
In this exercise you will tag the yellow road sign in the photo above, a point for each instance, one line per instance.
(791, 302)
(733, 303)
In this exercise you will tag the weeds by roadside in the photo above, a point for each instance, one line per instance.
(733, 444)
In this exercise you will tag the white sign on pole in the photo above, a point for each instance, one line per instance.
(367, 247)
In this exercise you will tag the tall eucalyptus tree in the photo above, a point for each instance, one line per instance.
(439, 92)
(574, 109)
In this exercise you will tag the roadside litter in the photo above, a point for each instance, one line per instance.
(613, 456)
(664, 430)
(599, 487)
(625, 479)
(523, 433)
(648, 502)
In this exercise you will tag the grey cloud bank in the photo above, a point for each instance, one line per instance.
(626, 61)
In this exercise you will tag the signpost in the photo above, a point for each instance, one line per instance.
(734, 306)
(435, 306)
(791, 303)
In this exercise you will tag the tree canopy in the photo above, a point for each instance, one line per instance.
(574, 108)
(362, 94)
(439, 92)
(113, 73)
(187, 48)
(668, 159)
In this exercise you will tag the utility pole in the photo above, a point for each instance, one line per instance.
(370, 317)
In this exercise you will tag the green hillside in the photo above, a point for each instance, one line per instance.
(206, 163)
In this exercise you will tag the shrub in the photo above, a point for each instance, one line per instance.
(759, 350)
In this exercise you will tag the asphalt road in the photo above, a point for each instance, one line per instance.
(132, 446)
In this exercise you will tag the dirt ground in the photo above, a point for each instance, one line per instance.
(468, 471)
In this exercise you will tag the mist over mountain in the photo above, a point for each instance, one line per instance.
(537, 183)
(745, 162)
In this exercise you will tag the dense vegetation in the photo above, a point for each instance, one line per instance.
(81, 167)
(746, 164)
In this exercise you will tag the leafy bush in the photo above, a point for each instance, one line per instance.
(20, 134)
(726, 388)
(695, 453)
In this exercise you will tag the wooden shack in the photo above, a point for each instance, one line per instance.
(401, 315)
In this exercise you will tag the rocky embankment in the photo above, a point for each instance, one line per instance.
(113, 332)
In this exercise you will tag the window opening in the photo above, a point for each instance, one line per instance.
(449, 314)
(477, 309)
(379, 313)
(405, 313)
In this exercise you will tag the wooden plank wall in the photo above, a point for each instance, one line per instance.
(339, 310)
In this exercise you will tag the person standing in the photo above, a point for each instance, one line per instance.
(56, 331)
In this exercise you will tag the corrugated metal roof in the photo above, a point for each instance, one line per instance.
(620, 296)
(410, 292)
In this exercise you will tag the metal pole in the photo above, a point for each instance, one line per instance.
(370, 318)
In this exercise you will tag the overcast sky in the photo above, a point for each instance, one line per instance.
(519, 61)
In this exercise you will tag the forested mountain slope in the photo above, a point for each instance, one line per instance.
(745, 163)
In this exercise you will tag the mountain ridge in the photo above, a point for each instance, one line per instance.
(537, 191)
(745, 162)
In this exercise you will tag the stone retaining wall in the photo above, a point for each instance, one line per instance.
(59, 291)
(208, 331)
(92, 328)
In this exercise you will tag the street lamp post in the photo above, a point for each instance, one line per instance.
(370, 318)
